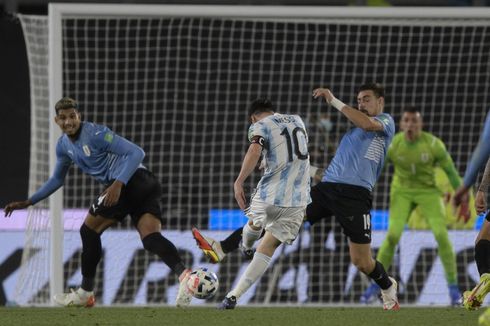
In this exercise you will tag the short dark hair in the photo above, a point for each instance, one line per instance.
(377, 88)
(66, 103)
(260, 105)
(411, 109)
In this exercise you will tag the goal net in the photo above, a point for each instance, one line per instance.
(177, 80)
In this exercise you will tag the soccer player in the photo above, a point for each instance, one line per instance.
(279, 202)
(473, 299)
(414, 154)
(481, 207)
(346, 188)
(130, 189)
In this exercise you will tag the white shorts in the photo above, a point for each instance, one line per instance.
(282, 222)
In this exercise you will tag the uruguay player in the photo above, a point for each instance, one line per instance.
(130, 189)
(474, 298)
(279, 201)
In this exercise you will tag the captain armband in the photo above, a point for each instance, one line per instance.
(258, 140)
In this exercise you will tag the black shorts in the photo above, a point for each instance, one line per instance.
(351, 205)
(140, 195)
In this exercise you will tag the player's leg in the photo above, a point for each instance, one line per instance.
(149, 228)
(282, 226)
(432, 208)
(361, 257)
(473, 299)
(90, 232)
(216, 250)
(254, 271)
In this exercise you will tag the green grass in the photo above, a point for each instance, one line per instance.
(297, 316)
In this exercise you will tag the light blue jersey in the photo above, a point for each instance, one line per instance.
(480, 155)
(361, 154)
(286, 179)
(98, 152)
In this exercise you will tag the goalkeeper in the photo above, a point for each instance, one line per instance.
(414, 154)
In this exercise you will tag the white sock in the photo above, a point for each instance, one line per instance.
(249, 236)
(81, 292)
(254, 271)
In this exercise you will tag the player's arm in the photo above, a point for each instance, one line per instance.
(358, 118)
(478, 159)
(121, 146)
(444, 160)
(248, 165)
(481, 195)
(51, 185)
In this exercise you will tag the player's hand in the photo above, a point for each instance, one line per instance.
(112, 193)
(14, 206)
(464, 212)
(323, 92)
(481, 202)
(240, 195)
(461, 195)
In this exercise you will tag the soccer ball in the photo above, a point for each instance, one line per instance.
(202, 283)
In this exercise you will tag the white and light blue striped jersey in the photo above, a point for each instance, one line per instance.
(286, 179)
(361, 155)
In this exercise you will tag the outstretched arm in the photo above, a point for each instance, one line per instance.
(358, 118)
(50, 186)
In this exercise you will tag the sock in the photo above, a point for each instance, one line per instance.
(156, 243)
(91, 254)
(380, 276)
(254, 271)
(482, 256)
(83, 293)
(232, 242)
(250, 236)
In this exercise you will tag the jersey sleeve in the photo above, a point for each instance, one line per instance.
(106, 139)
(387, 122)
(480, 155)
(257, 133)
(444, 160)
(63, 163)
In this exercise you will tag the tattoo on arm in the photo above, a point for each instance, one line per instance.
(485, 182)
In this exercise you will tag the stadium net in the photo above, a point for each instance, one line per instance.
(177, 80)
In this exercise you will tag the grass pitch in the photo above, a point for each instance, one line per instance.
(297, 316)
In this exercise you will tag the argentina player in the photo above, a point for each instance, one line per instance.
(130, 190)
(280, 198)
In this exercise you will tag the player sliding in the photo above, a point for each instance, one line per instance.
(130, 189)
(414, 154)
(346, 189)
(279, 202)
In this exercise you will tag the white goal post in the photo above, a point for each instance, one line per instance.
(286, 75)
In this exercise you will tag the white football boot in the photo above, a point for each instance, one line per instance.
(78, 298)
(390, 299)
(184, 296)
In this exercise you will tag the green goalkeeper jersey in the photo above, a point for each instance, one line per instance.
(414, 162)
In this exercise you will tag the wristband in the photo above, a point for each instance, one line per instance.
(338, 104)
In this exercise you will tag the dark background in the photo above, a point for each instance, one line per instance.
(14, 81)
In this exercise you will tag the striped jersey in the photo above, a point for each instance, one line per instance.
(286, 179)
(361, 155)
